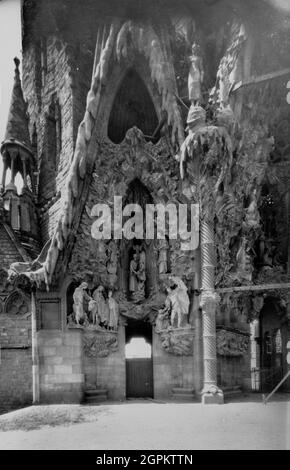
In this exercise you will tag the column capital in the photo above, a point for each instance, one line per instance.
(209, 300)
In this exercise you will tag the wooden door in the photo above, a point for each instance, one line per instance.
(139, 378)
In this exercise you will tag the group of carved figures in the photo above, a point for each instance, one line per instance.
(101, 312)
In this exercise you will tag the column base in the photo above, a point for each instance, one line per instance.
(212, 395)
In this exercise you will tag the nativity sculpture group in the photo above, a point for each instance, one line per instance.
(103, 313)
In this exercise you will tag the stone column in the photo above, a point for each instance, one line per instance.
(23, 159)
(34, 347)
(11, 186)
(5, 167)
(209, 300)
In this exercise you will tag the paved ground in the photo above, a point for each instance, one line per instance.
(245, 424)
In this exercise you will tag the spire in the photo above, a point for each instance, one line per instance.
(17, 125)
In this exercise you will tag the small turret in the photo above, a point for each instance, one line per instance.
(17, 155)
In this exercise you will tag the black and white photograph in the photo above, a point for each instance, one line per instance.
(144, 228)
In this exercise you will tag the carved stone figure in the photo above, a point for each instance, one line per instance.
(93, 309)
(79, 296)
(162, 259)
(176, 304)
(112, 263)
(244, 262)
(179, 301)
(195, 76)
(137, 275)
(102, 309)
(113, 312)
(133, 282)
(141, 275)
(162, 321)
(252, 216)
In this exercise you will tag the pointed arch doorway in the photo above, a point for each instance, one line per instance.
(139, 360)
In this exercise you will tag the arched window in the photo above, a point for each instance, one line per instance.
(133, 106)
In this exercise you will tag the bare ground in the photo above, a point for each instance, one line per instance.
(141, 424)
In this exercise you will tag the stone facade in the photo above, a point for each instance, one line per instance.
(158, 105)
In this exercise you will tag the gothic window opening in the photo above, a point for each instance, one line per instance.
(133, 106)
(54, 133)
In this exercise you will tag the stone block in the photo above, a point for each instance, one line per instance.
(63, 369)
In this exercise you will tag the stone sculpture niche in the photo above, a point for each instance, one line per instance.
(137, 258)
(100, 310)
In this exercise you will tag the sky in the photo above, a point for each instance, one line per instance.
(10, 46)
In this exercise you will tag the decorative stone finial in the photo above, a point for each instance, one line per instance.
(17, 63)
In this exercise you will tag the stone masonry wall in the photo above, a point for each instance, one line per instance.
(56, 81)
(170, 371)
(108, 373)
(60, 364)
(8, 252)
(15, 361)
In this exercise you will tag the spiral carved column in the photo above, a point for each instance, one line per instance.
(209, 300)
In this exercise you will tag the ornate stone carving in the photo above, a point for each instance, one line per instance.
(195, 76)
(176, 306)
(230, 343)
(252, 216)
(100, 343)
(16, 303)
(178, 341)
(94, 312)
(113, 312)
(79, 296)
(163, 256)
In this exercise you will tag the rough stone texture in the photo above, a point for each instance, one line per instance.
(61, 368)
(108, 373)
(15, 361)
(16, 377)
(8, 251)
(170, 371)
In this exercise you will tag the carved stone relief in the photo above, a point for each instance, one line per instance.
(231, 343)
(100, 344)
(178, 341)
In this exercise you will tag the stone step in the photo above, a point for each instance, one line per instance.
(183, 394)
(96, 391)
(232, 391)
(182, 397)
(96, 395)
(96, 399)
(183, 391)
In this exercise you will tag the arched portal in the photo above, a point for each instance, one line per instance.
(139, 364)
(271, 336)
